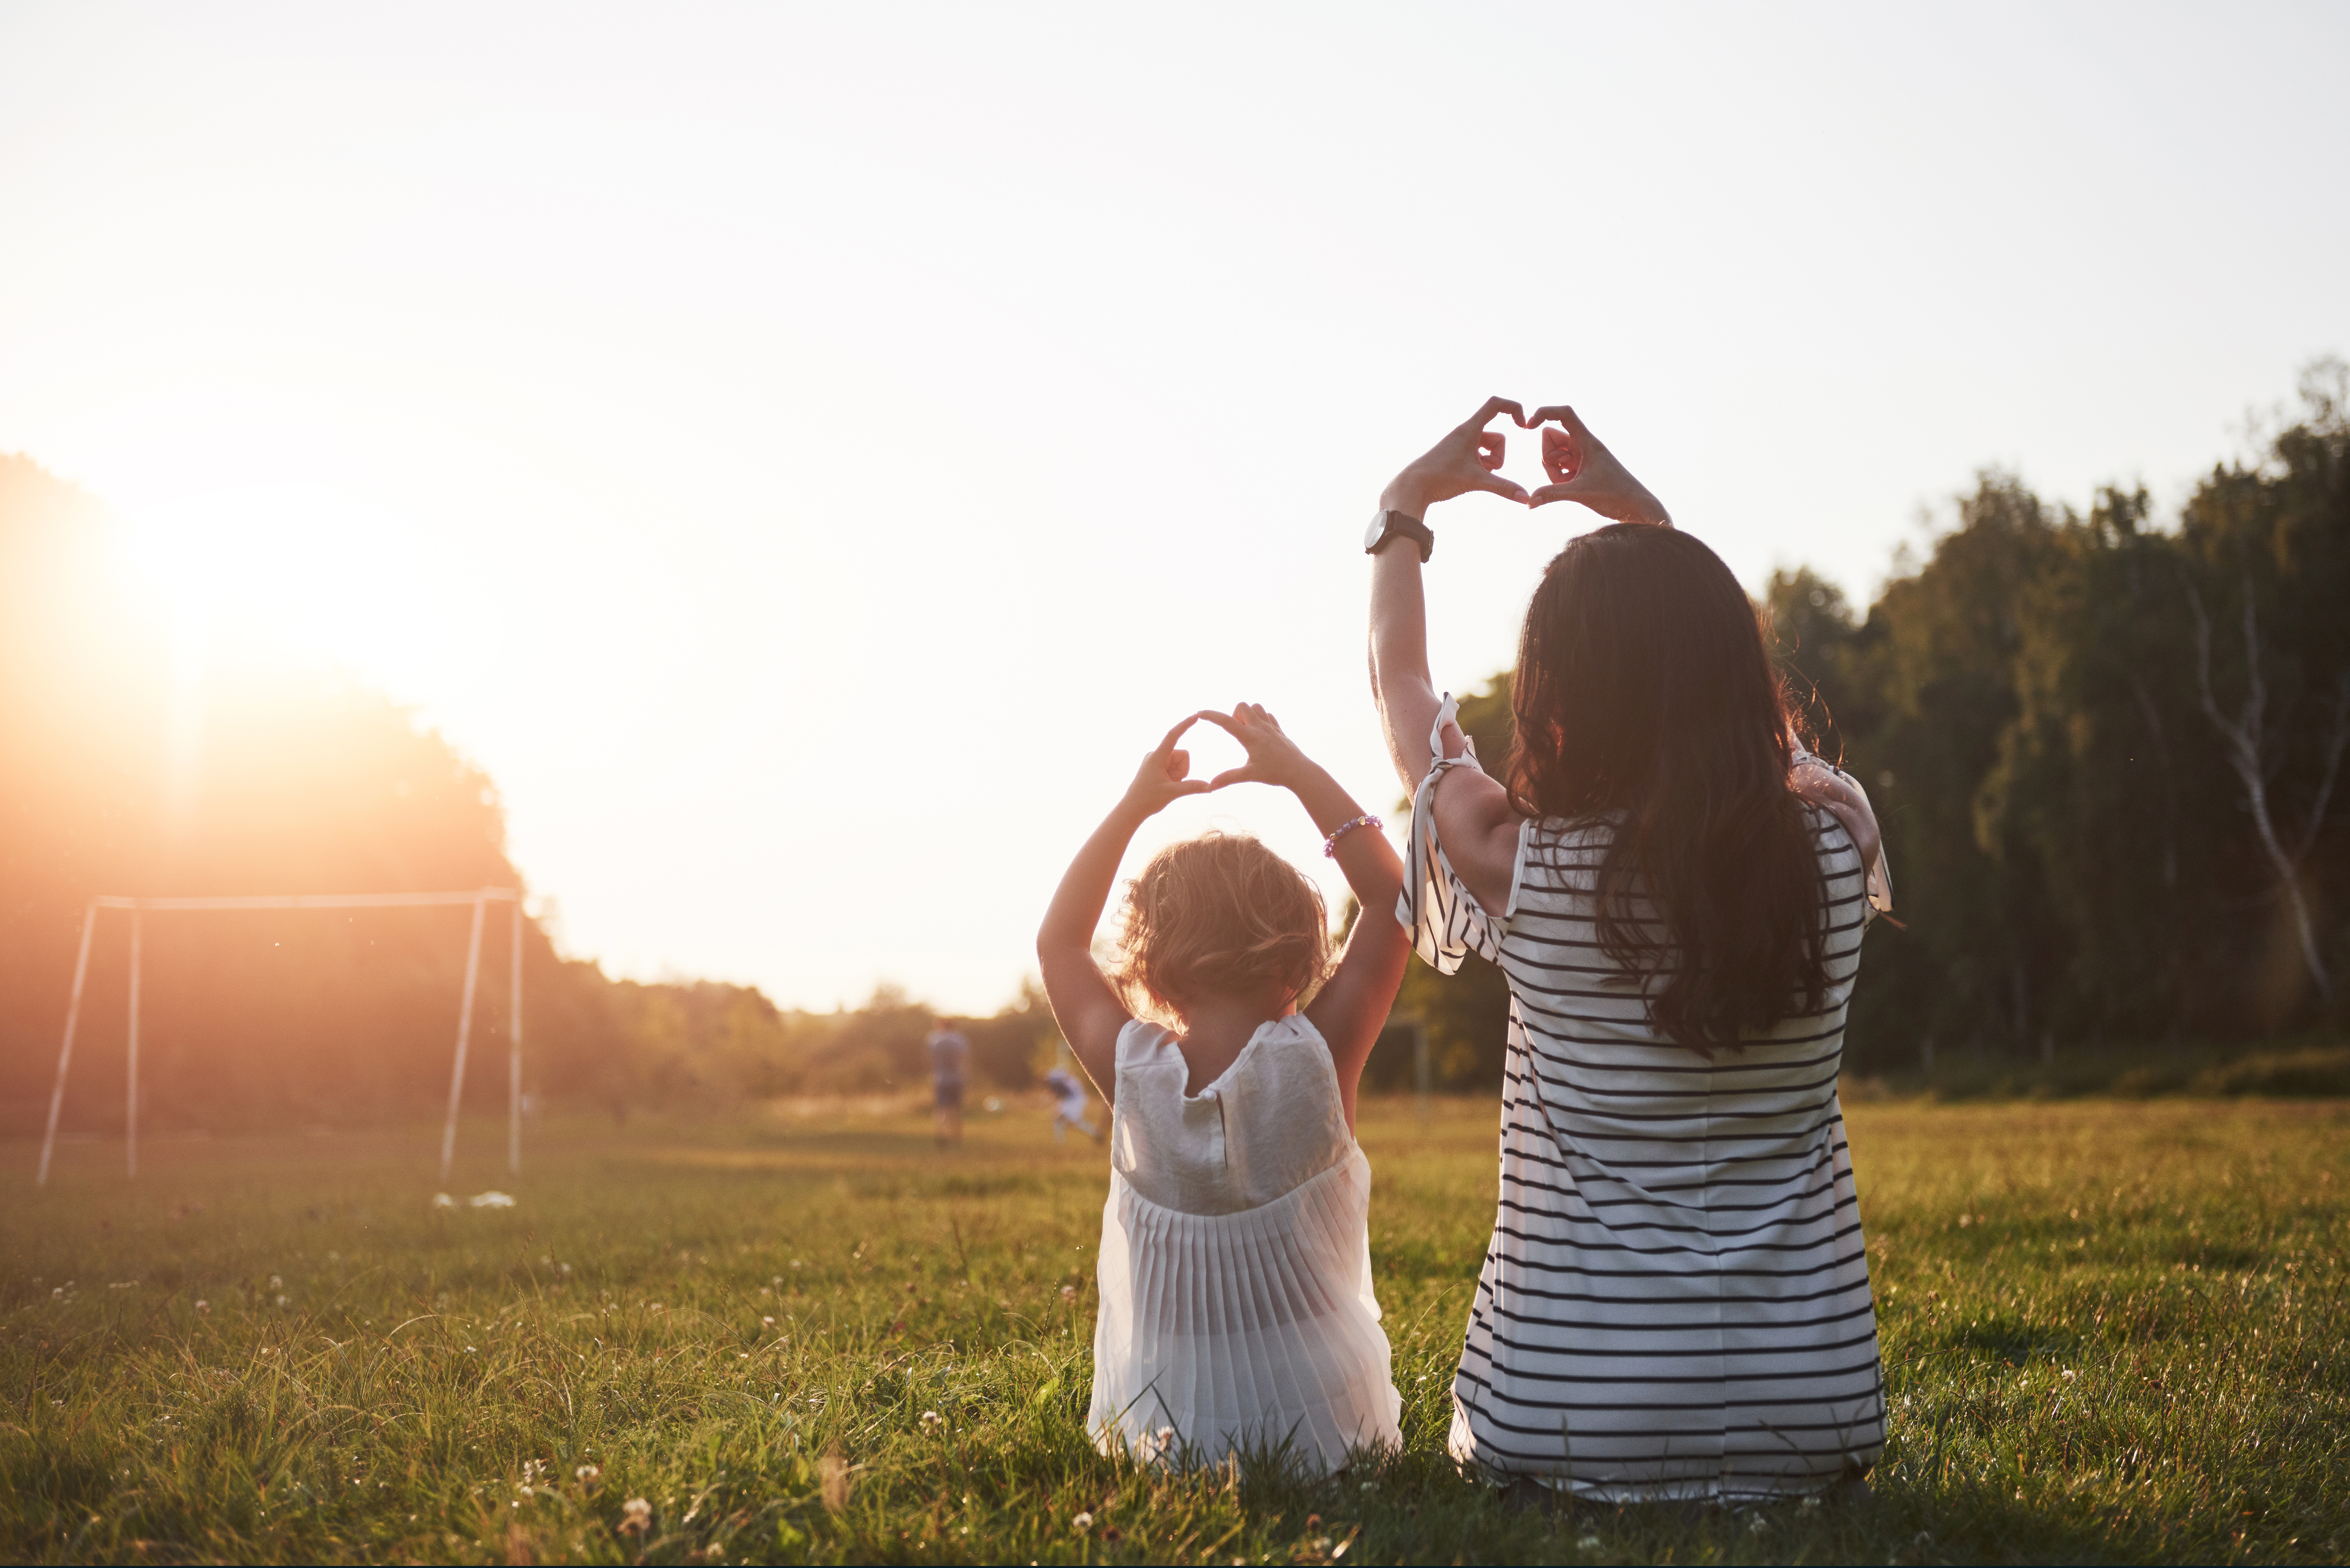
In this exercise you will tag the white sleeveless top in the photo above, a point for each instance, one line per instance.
(1236, 1303)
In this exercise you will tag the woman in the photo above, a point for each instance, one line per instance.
(1675, 1303)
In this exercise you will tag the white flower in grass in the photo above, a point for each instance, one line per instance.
(766, 1322)
(589, 1475)
(204, 1306)
(1757, 1525)
(636, 1517)
(933, 1421)
(276, 1283)
(1587, 1544)
(1068, 1293)
(1082, 1523)
(2068, 1374)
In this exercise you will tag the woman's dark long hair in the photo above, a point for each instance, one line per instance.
(1643, 690)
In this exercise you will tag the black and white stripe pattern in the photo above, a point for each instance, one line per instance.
(1675, 1303)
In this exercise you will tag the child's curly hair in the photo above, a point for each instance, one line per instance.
(1219, 912)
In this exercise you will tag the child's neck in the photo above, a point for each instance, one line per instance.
(1217, 1027)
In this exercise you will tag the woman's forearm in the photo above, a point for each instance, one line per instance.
(1400, 685)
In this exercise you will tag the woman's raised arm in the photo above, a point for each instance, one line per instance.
(1463, 461)
(1478, 824)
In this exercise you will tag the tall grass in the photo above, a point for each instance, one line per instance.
(2112, 1332)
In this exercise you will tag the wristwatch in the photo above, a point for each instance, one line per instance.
(1386, 526)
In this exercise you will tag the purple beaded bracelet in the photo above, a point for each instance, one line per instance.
(1330, 845)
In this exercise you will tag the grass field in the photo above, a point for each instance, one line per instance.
(2112, 1332)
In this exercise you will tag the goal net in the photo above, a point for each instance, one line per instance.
(481, 899)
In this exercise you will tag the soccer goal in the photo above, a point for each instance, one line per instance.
(481, 899)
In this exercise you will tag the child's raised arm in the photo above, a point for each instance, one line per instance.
(1088, 1012)
(1352, 1007)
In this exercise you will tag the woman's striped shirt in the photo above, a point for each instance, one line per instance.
(1675, 1303)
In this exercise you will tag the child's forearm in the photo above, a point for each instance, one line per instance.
(1364, 856)
(1077, 904)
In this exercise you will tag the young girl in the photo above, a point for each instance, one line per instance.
(1236, 1303)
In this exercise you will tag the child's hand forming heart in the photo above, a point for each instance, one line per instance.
(1160, 780)
(1272, 757)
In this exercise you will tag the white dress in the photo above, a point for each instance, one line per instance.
(1236, 1304)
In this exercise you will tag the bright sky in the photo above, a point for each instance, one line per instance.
(807, 454)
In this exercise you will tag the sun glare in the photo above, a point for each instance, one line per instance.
(297, 572)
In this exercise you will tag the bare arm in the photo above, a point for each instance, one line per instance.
(1087, 1009)
(1352, 1007)
(1474, 817)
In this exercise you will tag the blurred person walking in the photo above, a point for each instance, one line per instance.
(1675, 1303)
(949, 1055)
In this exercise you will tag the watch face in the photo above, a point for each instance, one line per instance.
(1379, 531)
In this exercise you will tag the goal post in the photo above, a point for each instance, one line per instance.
(479, 898)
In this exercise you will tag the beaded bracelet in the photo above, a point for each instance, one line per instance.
(1330, 845)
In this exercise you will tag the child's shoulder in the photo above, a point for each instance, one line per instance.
(1142, 1041)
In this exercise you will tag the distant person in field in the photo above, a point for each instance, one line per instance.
(1236, 1303)
(949, 1055)
(1675, 1303)
(1070, 1106)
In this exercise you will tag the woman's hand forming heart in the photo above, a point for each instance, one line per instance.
(1581, 469)
(1462, 461)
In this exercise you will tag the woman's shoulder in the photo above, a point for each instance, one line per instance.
(1564, 853)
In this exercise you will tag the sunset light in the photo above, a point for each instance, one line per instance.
(1075, 783)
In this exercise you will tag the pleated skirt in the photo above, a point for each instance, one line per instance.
(1256, 1332)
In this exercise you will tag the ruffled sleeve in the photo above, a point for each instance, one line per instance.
(1860, 823)
(1445, 921)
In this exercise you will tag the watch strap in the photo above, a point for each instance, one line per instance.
(1392, 524)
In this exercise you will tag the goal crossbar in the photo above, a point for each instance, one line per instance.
(479, 898)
